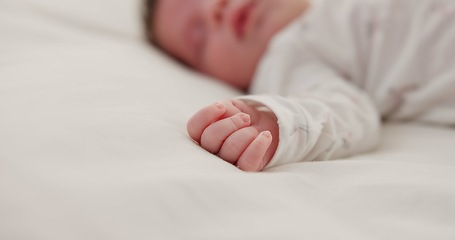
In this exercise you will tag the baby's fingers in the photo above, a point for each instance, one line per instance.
(252, 159)
(234, 146)
(214, 135)
(203, 118)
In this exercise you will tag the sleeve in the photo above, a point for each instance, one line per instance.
(327, 118)
(310, 79)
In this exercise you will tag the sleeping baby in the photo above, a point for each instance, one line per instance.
(321, 75)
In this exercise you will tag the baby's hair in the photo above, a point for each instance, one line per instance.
(148, 14)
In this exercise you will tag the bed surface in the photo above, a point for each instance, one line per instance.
(93, 146)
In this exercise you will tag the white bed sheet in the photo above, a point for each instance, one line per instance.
(93, 146)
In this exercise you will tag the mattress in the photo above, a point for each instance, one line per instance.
(93, 146)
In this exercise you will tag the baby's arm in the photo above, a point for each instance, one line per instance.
(323, 119)
(239, 134)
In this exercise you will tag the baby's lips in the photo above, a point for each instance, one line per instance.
(240, 19)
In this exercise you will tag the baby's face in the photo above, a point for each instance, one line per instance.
(222, 38)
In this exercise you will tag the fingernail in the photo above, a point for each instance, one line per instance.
(220, 106)
(245, 118)
(266, 134)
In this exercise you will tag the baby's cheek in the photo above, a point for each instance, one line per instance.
(230, 63)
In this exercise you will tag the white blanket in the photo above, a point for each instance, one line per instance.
(93, 146)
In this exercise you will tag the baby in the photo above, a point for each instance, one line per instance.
(321, 74)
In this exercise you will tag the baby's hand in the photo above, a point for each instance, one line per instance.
(237, 133)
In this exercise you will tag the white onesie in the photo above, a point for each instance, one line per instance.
(331, 75)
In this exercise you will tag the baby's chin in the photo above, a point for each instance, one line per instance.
(239, 80)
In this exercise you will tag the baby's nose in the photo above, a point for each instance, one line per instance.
(215, 11)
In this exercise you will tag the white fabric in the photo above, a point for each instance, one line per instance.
(93, 146)
(344, 64)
